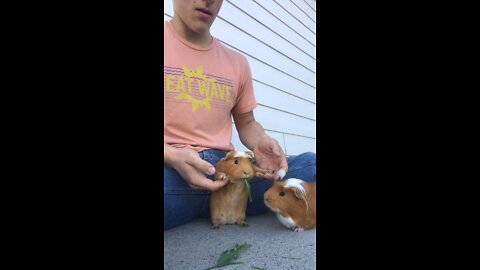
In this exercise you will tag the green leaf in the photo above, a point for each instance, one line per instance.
(228, 256)
(248, 188)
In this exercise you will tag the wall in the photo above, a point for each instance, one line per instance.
(278, 37)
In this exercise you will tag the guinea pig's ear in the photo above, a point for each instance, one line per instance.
(299, 193)
(250, 154)
(229, 155)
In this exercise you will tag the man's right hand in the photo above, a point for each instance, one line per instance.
(192, 168)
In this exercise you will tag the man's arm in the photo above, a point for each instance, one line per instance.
(249, 130)
(268, 153)
(168, 154)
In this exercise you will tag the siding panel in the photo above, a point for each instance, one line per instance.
(243, 20)
(297, 145)
(306, 9)
(312, 4)
(269, 20)
(168, 7)
(271, 97)
(297, 13)
(274, 120)
(275, 78)
(247, 44)
(287, 19)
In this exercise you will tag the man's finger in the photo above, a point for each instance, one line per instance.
(202, 165)
(194, 186)
(283, 164)
(280, 174)
(214, 186)
(208, 184)
(264, 176)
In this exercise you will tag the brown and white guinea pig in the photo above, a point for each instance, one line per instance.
(228, 205)
(294, 202)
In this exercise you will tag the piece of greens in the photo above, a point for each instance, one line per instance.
(228, 256)
(248, 188)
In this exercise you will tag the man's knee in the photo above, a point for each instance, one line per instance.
(306, 159)
(310, 157)
(303, 167)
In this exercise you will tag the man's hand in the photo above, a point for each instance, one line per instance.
(269, 155)
(192, 168)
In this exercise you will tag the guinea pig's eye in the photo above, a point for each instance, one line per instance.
(282, 193)
(236, 161)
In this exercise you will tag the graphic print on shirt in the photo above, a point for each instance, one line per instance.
(196, 88)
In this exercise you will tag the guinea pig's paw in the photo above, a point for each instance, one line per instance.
(297, 229)
(223, 177)
(243, 224)
(215, 227)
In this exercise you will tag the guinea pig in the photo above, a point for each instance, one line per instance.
(228, 205)
(294, 202)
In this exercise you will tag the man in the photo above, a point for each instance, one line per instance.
(205, 85)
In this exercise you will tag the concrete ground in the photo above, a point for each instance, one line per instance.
(196, 245)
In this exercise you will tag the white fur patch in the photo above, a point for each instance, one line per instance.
(281, 173)
(286, 221)
(242, 154)
(296, 183)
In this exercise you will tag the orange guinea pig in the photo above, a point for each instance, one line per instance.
(294, 202)
(228, 205)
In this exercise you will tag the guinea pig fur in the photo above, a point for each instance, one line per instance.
(228, 205)
(294, 202)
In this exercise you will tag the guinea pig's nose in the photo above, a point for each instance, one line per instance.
(244, 172)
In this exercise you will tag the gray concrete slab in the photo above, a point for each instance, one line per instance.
(196, 245)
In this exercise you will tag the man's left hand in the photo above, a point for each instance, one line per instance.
(269, 155)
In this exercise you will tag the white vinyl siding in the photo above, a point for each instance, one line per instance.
(278, 38)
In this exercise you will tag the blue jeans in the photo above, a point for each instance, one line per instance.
(183, 203)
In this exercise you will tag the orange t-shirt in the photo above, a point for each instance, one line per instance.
(202, 87)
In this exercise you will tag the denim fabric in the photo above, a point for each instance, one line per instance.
(183, 203)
